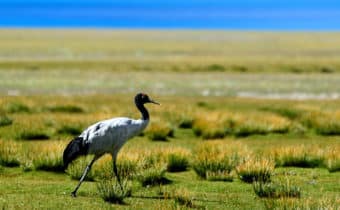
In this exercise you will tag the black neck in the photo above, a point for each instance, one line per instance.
(143, 110)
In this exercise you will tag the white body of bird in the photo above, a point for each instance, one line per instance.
(109, 136)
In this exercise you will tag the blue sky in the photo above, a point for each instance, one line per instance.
(213, 14)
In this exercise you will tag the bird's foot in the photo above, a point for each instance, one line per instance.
(73, 194)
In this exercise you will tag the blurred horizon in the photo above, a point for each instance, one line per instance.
(152, 14)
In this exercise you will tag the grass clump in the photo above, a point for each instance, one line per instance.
(9, 154)
(5, 121)
(332, 159)
(76, 169)
(152, 176)
(290, 113)
(160, 131)
(224, 176)
(45, 156)
(215, 160)
(255, 169)
(328, 126)
(261, 125)
(177, 162)
(333, 165)
(275, 190)
(185, 122)
(183, 197)
(302, 203)
(16, 107)
(65, 109)
(110, 191)
(32, 134)
(50, 162)
(214, 67)
(213, 125)
(299, 156)
(70, 130)
(323, 123)
(250, 128)
(126, 166)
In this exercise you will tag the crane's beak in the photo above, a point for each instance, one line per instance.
(154, 102)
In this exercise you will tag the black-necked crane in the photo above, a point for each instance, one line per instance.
(107, 136)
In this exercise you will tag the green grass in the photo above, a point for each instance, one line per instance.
(238, 64)
(255, 170)
(275, 190)
(177, 163)
(177, 51)
(76, 169)
(70, 130)
(32, 135)
(153, 176)
(5, 121)
(16, 107)
(111, 192)
(33, 186)
(65, 108)
(230, 102)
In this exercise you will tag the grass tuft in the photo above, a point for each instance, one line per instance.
(255, 170)
(183, 197)
(274, 190)
(32, 134)
(76, 169)
(212, 125)
(299, 156)
(160, 131)
(177, 162)
(152, 176)
(332, 159)
(185, 123)
(65, 109)
(322, 122)
(224, 176)
(214, 159)
(290, 113)
(103, 168)
(70, 130)
(45, 156)
(5, 121)
(16, 107)
(110, 191)
(9, 154)
(302, 203)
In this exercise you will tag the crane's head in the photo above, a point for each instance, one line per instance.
(142, 98)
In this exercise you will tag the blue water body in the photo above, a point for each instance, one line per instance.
(199, 14)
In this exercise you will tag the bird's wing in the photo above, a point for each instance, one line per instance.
(106, 128)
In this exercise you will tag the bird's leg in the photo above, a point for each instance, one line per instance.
(116, 173)
(87, 169)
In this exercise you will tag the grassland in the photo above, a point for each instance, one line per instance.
(275, 147)
(298, 144)
(188, 51)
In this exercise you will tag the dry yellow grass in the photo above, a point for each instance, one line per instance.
(256, 169)
(303, 203)
(218, 157)
(303, 156)
(10, 153)
(45, 155)
(332, 158)
(126, 50)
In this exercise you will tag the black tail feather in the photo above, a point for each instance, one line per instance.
(73, 150)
